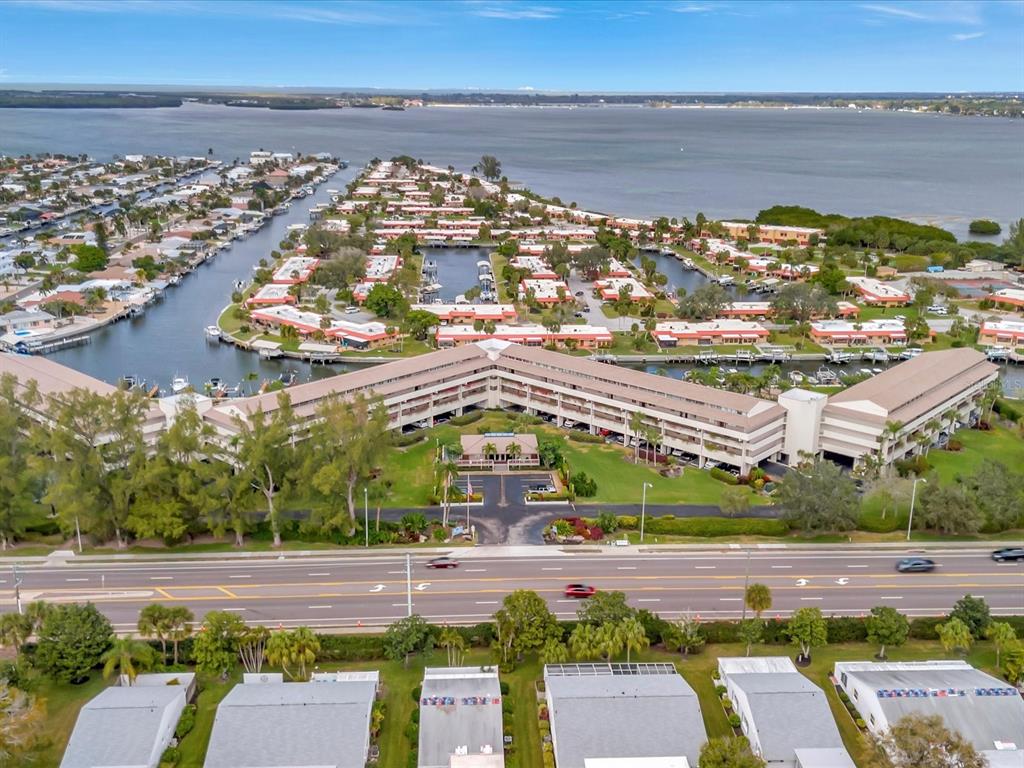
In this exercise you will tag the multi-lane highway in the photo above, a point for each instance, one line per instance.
(347, 590)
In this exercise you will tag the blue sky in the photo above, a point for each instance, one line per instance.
(599, 45)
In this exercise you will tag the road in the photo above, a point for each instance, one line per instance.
(345, 591)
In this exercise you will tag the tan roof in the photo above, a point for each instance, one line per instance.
(51, 378)
(914, 387)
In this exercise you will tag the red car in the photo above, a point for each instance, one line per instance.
(443, 562)
(579, 590)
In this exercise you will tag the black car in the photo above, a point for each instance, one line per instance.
(443, 562)
(915, 565)
(1008, 554)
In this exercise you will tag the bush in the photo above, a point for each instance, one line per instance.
(411, 439)
(984, 227)
(412, 732)
(716, 526)
(466, 418)
(860, 723)
(171, 756)
(1007, 410)
(720, 690)
(734, 720)
(584, 437)
(351, 648)
(727, 704)
(417, 692)
(584, 485)
(186, 722)
(416, 715)
(724, 477)
(503, 686)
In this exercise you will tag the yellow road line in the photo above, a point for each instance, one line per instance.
(227, 592)
(165, 593)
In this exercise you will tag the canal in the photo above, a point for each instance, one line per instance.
(168, 339)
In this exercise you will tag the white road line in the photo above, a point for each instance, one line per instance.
(476, 570)
(856, 566)
(812, 598)
(729, 599)
(399, 605)
(649, 600)
(318, 574)
(551, 569)
(486, 602)
(75, 579)
(161, 578)
(318, 606)
(705, 567)
(891, 597)
(239, 576)
(566, 601)
(234, 609)
(782, 566)
(626, 568)
(392, 573)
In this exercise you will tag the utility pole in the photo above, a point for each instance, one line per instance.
(913, 496)
(366, 514)
(17, 588)
(408, 581)
(78, 535)
(643, 510)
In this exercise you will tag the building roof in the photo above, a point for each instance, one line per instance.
(124, 727)
(460, 713)
(607, 710)
(912, 388)
(51, 377)
(777, 700)
(962, 695)
(286, 725)
(474, 444)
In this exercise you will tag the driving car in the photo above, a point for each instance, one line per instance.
(915, 565)
(443, 562)
(579, 590)
(1007, 554)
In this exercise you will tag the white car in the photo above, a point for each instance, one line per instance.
(351, 310)
(938, 309)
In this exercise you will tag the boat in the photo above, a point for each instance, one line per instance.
(213, 386)
(726, 280)
(234, 391)
(826, 375)
(998, 353)
(212, 332)
(840, 357)
(910, 353)
(130, 381)
(179, 384)
(796, 377)
(287, 378)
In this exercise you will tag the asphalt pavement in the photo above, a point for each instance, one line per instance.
(344, 591)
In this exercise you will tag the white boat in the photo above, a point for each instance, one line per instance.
(212, 332)
(179, 384)
(840, 357)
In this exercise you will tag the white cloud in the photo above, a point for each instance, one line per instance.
(691, 8)
(966, 36)
(938, 11)
(517, 12)
(526, 88)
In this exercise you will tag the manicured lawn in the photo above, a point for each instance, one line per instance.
(211, 691)
(63, 701)
(620, 481)
(998, 444)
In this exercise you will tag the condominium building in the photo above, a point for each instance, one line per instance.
(874, 291)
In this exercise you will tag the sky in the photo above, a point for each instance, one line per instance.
(547, 45)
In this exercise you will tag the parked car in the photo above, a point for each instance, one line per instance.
(578, 294)
(915, 565)
(579, 590)
(541, 488)
(351, 310)
(938, 309)
(443, 562)
(1008, 554)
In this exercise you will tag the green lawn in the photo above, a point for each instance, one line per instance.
(211, 691)
(62, 705)
(999, 444)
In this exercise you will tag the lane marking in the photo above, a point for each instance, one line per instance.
(313, 607)
(75, 579)
(812, 598)
(239, 576)
(730, 599)
(161, 578)
(856, 566)
(399, 605)
(891, 597)
(781, 566)
(234, 609)
(476, 570)
(228, 592)
(486, 602)
(318, 574)
(626, 568)
(649, 600)
(392, 573)
(705, 567)
(165, 593)
(551, 569)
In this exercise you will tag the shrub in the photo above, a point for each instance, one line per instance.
(417, 693)
(504, 688)
(734, 720)
(351, 648)
(727, 703)
(860, 723)
(466, 418)
(716, 526)
(1007, 410)
(720, 690)
(584, 485)
(186, 722)
(585, 437)
(416, 715)
(984, 227)
(171, 756)
(412, 732)
(724, 477)
(411, 439)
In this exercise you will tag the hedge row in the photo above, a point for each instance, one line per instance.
(711, 526)
(585, 437)
(466, 418)
(724, 477)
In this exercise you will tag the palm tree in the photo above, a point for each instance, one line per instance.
(633, 636)
(153, 622)
(515, 450)
(279, 651)
(128, 657)
(758, 598)
(453, 642)
(179, 626)
(15, 630)
(490, 449)
(892, 429)
(305, 647)
(583, 642)
(636, 423)
(610, 641)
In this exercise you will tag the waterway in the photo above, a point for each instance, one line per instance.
(456, 268)
(168, 339)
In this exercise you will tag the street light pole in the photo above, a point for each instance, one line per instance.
(746, 585)
(17, 588)
(78, 535)
(366, 514)
(643, 509)
(913, 496)
(408, 582)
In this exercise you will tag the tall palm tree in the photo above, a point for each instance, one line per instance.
(633, 636)
(153, 622)
(610, 641)
(305, 647)
(583, 642)
(490, 449)
(128, 657)
(15, 630)
(515, 450)
(758, 598)
(179, 626)
(636, 423)
(453, 643)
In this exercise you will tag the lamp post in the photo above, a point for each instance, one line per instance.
(913, 497)
(643, 509)
(366, 514)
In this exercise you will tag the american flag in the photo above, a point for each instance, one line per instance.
(469, 488)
